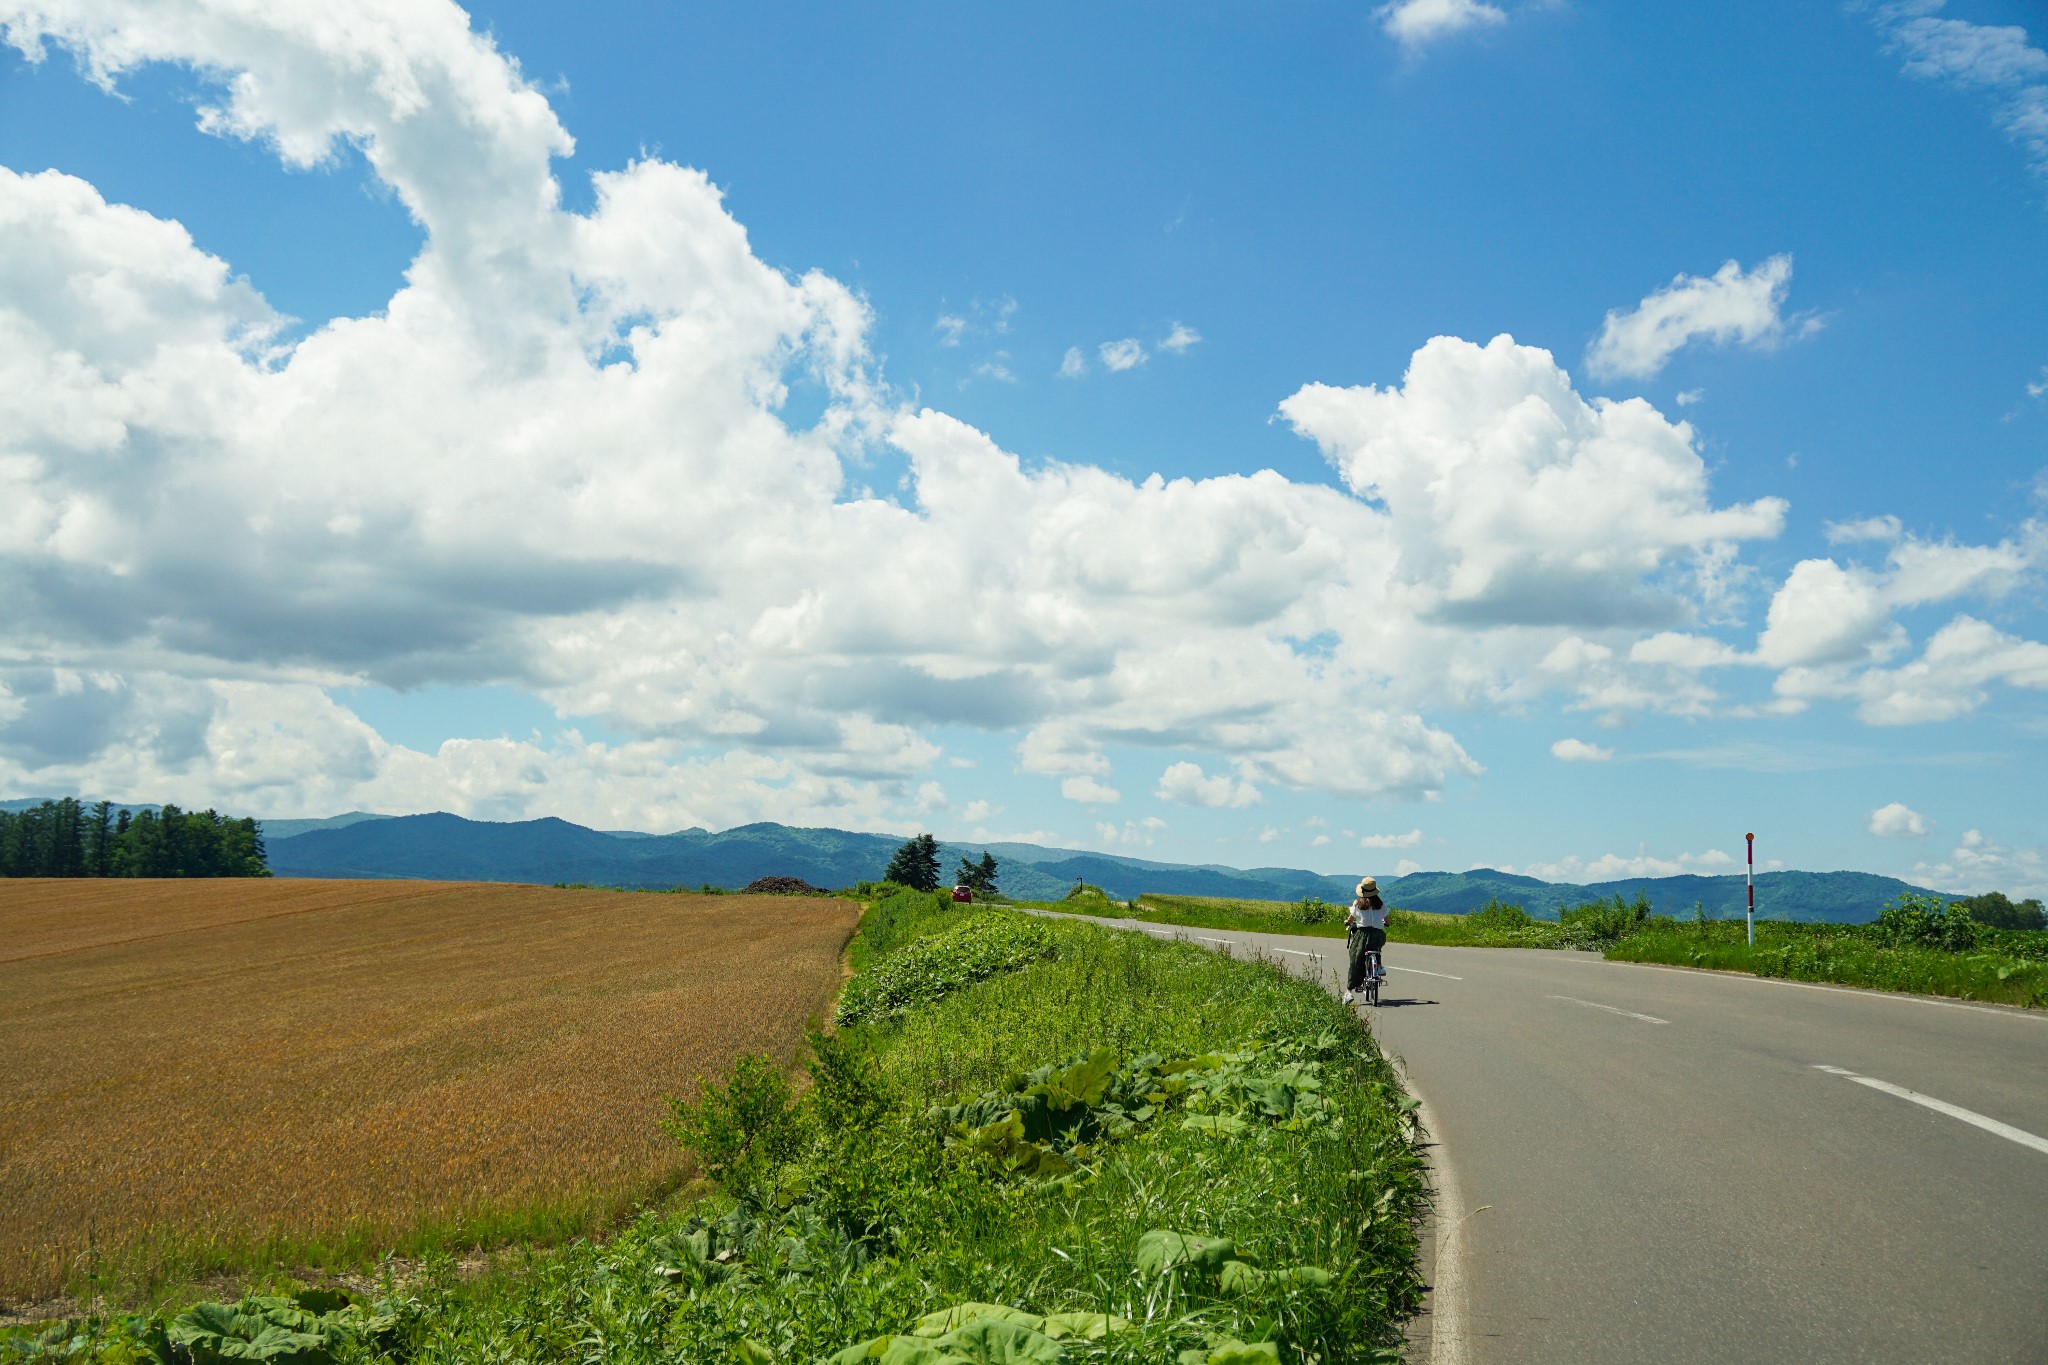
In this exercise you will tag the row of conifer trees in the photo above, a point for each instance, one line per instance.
(68, 838)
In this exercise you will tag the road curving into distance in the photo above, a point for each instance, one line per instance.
(1659, 1165)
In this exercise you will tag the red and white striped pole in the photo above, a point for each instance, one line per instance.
(1749, 881)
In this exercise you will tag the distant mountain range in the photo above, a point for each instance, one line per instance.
(448, 847)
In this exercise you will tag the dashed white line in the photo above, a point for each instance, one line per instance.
(1296, 952)
(1419, 972)
(1596, 1005)
(1954, 1111)
(1226, 942)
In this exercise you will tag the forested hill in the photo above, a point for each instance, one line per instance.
(452, 848)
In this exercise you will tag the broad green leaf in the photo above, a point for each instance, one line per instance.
(916, 1351)
(991, 1342)
(960, 1314)
(1160, 1250)
(1239, 1278)
(202, 1320)
(1216, 1125)
(1083, 1082)
(862, 1352)
(1237, 1353)
(753, 1353)
(1087, 1326)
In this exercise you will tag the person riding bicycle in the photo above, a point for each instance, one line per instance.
(1365, 932)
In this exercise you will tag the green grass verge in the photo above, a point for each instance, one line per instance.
(1116, 1150)
(1844, 955)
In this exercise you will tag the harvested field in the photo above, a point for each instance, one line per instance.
(200, 1071)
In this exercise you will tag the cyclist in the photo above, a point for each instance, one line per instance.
(1365, 931)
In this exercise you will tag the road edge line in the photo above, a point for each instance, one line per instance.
(1446, 1271)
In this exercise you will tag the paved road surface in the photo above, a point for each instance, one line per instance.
(1654, 1165)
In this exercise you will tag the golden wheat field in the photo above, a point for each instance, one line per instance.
(195, 1065)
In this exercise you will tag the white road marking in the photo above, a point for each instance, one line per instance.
(1596, 1005)
(1447, 1329)
(1419, 972)
(1954, 1111)
(1296, 952)
(1226, 942)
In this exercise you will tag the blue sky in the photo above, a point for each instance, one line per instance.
(336, 503)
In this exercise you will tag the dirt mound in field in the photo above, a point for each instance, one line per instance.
(781, 886)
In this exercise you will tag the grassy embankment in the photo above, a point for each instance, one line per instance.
(1924, 952)
(1029, 1141)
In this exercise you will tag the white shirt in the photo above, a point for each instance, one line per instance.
(1362, 918)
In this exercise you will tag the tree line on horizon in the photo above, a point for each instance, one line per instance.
(68, 838)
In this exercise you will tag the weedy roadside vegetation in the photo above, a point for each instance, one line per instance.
(1919, 944)
(206, 1078)
(1108, 1150)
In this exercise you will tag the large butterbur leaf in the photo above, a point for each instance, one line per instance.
(1161, 1250)
(993, 1342)
(961, 1314)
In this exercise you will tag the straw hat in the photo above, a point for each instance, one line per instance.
(1368, 887)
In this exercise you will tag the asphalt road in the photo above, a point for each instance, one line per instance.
(1640, 1164)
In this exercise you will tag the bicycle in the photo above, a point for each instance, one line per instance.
(1373, 969)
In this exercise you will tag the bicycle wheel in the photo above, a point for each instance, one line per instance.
(1372, 983)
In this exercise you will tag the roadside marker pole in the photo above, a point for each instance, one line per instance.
(1749, 881)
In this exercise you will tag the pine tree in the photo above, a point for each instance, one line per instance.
(916, 864)
(979, 877)
(99, 841)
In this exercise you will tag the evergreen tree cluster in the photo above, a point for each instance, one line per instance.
(70, 839)
(916, 864)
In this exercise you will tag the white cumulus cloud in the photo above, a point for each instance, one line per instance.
(1978, 864)
(1121, 355)
(1611, 867)
(1416, 23)
(1579, 751)
(1180, 338)
(1409, 840)
(1511, 499)
(563, 457)
(1089, 792)
(1186, 784)
(1733, 305)
(1897, 820)
(1073, 365)
(1831, 626)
